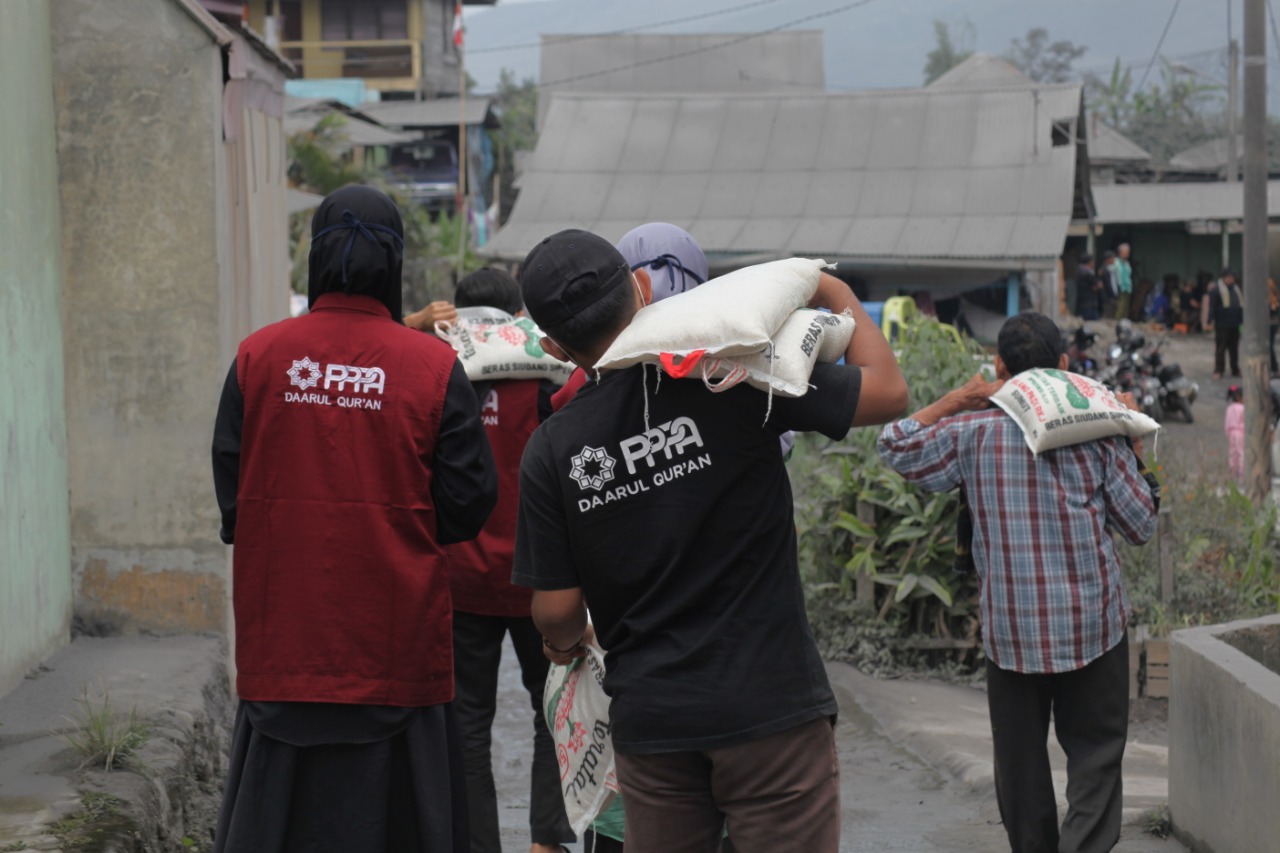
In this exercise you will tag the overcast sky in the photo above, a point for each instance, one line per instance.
(881, 44)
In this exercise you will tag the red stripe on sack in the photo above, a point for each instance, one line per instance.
(682, 368)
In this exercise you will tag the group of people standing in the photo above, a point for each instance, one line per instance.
(393, 521)
(1205, 304)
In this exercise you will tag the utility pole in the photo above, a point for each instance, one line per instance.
(1233, 110)
(1257, 366)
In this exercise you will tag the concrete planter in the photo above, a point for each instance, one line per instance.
(1224, 736)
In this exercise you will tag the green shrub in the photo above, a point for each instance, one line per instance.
(1225, 560)
(908, 546)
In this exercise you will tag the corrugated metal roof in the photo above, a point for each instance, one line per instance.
(718, 63)
(982, 71)
(1125, 203)
(300, 200)
(908, 175)
(1208, 156)
(358, 132)
(1108, 145)
(438, 112)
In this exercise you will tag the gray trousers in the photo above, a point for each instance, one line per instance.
(1090, 708)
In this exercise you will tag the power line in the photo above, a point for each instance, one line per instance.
(1160, 44)
(1275, 33)
(623, 31)
(708, 48)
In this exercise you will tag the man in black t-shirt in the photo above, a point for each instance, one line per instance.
(669, 509)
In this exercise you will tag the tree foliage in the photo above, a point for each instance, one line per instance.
(1173, 113)
(518, 104)
(949, 51)
(320, 161)
(1043, 60)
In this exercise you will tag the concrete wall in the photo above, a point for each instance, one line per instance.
(138, 91)
(1224, 743)
(35, 559)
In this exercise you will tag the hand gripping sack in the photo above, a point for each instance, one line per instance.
(733, 315)
(784, 366)
(493, 345)
(1055, 408)
(578, 716)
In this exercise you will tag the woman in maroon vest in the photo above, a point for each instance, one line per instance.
(348, 451)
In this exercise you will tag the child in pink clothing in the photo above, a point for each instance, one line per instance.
(1235, 431)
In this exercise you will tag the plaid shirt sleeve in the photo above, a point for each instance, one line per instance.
(924, 456)
(1131, 503)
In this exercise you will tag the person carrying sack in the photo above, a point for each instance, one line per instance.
(1052, 598)
(670, 511)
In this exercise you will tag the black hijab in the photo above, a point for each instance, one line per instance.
(357, 247)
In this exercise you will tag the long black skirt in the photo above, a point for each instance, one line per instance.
(343, 778)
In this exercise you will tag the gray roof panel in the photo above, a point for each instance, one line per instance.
(913, 174)
(1127, 203)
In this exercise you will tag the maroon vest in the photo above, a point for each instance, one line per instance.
(480, 570)
(341, 592)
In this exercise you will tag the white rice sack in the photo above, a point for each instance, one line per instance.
(492, 345)
(784, 366)
(577, 710)
(735, 314)
(1055, 408)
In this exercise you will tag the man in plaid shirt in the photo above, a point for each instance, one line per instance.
(1054, 609)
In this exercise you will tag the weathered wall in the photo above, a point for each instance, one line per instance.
(35, 560)
(1224, 743)
(138, 91)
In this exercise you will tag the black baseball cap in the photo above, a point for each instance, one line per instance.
(567, 272)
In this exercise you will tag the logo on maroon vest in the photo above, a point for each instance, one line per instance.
(305, 373)
(592, 468)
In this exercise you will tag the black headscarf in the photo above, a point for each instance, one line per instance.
(357, 247)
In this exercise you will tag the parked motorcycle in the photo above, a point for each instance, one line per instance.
(1079, 344)
(1127, 371)
(1175, 391)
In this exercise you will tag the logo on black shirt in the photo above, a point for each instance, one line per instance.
(672, 436)
(592, 468)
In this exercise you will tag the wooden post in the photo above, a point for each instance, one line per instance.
(865, 587)
(1256, 360)
(1164, 545)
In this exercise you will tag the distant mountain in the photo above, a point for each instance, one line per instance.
(882, 44)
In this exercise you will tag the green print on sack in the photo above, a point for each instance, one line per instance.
(1074, 398)
(533, 339)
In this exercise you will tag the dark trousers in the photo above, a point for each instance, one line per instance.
(1090, 708)
(777, 793)
(477, 653)
(1226, 341)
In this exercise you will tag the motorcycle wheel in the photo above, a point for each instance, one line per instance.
(1155, 412)
(1185, 408)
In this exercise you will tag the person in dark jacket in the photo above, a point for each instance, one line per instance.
(1088, 290)
(487, 606)
(1110, 290)
(1226, 313)
(348, 451)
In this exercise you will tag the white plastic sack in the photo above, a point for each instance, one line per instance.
(1055, 408)
(735, 314)
(785, 365)
(578, 715)
(492, 345)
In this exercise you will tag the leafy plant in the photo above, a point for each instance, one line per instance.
(1226, 564)
(903, 538)
(101, 735)
(1158, 821)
